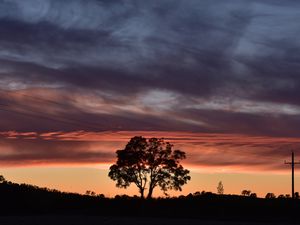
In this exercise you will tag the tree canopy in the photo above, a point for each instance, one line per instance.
(149, 163)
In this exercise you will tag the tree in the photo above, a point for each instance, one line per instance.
(220, 188)
(281, 196)
(270, 195)
(2, 179)
(90, 193)
(149, 163)
(253, 195)
(246, 192)
(101, 196)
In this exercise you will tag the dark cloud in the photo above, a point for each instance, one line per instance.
(206, 54)
(271, 124)
(27, 112)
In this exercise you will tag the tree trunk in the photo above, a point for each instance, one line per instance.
(142, 193)
(150, 193)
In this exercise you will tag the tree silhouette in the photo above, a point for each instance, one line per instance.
(149, 163)
(253, 195)
(270, 195)
(246, 192)
(220, 188)
(281, 196)
(90, 193)
(287, 196)
(2, 179)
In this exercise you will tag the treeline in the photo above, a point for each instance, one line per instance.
(248, 193)
(27, 199)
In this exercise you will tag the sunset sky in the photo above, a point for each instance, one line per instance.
(218, 79)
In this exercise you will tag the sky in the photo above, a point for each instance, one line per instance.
(218, 79)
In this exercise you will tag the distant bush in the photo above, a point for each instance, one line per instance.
(253, 195)
(270, 196)
(246, 192)
(2, 179)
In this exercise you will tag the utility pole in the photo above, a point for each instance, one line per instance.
(292, 163)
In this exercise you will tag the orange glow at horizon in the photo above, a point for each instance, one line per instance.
(81, 179)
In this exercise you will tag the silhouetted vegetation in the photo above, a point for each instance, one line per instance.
(253, 195)
(23, 199)
(270, 195)
(90, 193)
(2, 179)
(220, 188)
(149, 163)
(246, 192)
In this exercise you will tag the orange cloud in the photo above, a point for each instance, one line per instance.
(215, 152)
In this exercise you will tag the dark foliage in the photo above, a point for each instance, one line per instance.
(270, 195)
(148, 164)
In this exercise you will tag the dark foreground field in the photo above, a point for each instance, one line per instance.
(96, 220)
(25, 204)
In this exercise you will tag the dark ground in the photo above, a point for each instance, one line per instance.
(96, 220)
(30, 205)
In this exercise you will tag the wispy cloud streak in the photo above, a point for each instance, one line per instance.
(220, 152)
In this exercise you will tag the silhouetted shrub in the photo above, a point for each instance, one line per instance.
(220, 188)
(246, 192)
(253, 195)
(2, 179)
(281, 196)
(270, 195)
